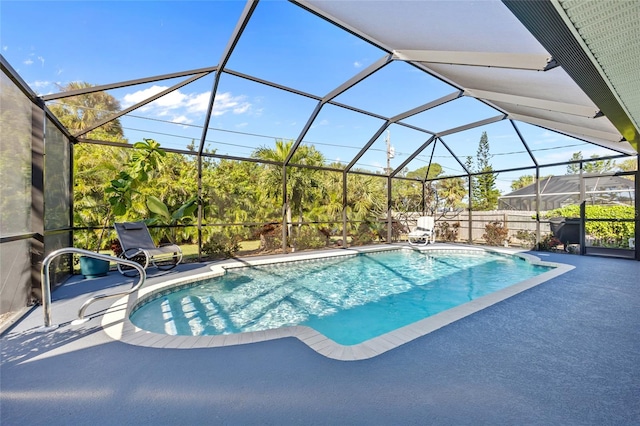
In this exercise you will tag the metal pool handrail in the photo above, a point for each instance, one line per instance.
(46, 287)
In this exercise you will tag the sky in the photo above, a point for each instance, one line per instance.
(53, 43)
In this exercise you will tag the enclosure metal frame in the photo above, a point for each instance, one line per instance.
(531, 14)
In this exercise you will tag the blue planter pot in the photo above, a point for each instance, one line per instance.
(92, 267)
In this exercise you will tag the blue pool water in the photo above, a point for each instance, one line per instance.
(349, 299)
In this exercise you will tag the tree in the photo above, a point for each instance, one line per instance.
(470, 180)
(629, 165)
(434, 170)
(485, 194)
(526, 180)
(574, 168)
(94, 166)
(599, 166)
(303, 184)
(79, 112)
(593, 166)
(407, 195)
(451, 192)
(522, 181)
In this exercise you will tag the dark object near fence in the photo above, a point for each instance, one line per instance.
(567, 230)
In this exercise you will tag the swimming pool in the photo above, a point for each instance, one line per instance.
(348, 299)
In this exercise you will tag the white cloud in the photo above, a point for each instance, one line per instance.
(28, 62)
(199, 103)
(240, 125)
(182, 120)
(140, 95)
(5, 48)
(225, 102)
(172, 100)
(39, 84)
(320, 123)
(357, 64)
(178, 102)
(41, 59)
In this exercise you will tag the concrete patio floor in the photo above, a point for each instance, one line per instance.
(564, 352)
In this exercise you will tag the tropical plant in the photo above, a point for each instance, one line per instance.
(161, 215)
(147, 156)
(303, 184)
(451, 192)
(79, 112)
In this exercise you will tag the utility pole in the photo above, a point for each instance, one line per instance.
(390, 153)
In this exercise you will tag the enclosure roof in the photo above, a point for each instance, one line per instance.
(562, 65)
(569, 66)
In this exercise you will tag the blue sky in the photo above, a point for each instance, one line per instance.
(52, 43)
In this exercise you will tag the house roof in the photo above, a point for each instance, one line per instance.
(557, 189)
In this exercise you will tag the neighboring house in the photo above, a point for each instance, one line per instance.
(560, 191)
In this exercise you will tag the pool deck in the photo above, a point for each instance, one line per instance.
(566, 351)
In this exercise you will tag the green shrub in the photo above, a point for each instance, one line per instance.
(364, 234)
(606, 231)
(220, 245)
(310, 238)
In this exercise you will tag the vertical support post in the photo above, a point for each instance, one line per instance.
(389, 212)
(583, 196)
(637, 209)
(470, 210)
(583, 214)
(200, 209)
(72, 178)
(583, 249)
(538, 198)
(37, 196)
(285, 208)
(344, 209)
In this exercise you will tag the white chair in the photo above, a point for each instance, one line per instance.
(137, 245)
(424, 232)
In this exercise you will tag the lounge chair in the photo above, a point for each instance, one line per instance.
(424, 232)
(137, 245)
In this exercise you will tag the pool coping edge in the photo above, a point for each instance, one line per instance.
(117, 325)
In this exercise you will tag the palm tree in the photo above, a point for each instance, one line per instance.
(451, 191)
(79, 112)
(303, 184)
